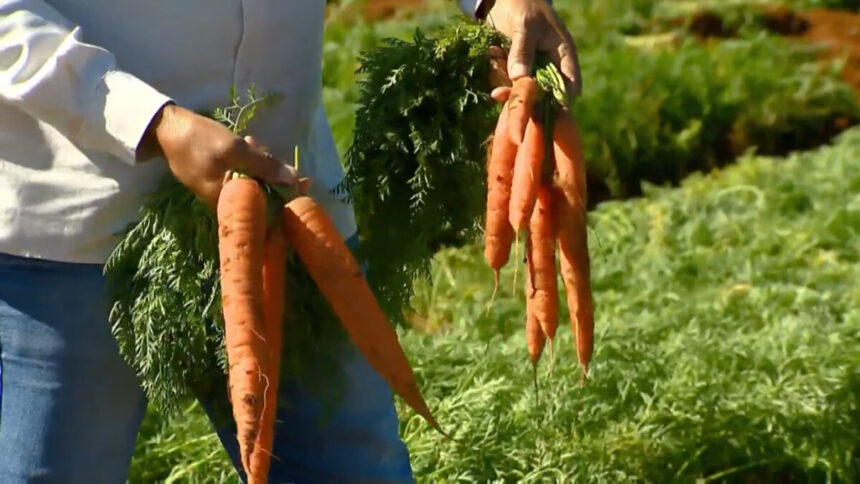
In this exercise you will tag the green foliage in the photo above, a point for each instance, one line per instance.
(656, 116)
(240, 112)
(727, 324)
(727, 345)
(728, 341)
(164, 283)
(162, 279)
(179, 450)
(346, 36)
(416, 164)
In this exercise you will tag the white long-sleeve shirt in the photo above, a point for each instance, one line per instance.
(80, 80)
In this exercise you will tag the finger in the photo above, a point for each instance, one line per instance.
(498, 66)
(304, 185)
(264, 165)
(561, 48)
(563, 55)
(256, 144)
(496, 52)
(499, 73)
(501, 94)
(523, 45)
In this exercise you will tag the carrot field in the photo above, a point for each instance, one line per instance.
(724, 234)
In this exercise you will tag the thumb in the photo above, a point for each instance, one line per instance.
(304, 185)
(256, 144)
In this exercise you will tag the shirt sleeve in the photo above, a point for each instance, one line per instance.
(49, 72)
(469, 7)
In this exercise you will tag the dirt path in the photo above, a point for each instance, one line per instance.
(374, 10)
(838, 30)
(383, 9)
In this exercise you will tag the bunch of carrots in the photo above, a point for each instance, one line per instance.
(253, 254)
(536, 186)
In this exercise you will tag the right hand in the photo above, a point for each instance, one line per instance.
(200, 151)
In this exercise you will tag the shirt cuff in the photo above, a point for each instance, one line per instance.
(129, 107)
(470, 7)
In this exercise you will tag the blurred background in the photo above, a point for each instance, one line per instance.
(724, 183)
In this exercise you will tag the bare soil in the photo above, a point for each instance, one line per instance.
(374, 10)
(838, 30)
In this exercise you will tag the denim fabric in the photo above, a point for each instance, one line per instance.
(70, 408)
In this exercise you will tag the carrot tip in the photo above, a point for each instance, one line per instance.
(516, 257)
(433, 423)
(551, 351)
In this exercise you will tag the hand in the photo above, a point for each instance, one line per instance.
(303, 183)
(199, 152)
(533, 26)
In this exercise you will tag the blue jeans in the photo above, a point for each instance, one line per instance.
(70, 407)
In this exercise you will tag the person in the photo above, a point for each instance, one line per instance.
(98, 100)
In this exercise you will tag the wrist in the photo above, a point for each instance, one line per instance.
(156, 133)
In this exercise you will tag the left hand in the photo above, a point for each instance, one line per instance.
(533, 26)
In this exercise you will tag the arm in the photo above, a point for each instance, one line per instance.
(47, 71)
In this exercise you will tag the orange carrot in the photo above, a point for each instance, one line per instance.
(524, 94)
(274, 297)
(498, 231)
(570, 173)
(527, 176)
(570, 199)
(575, 272)
(241, 216)
(535, 338)
(333, 268)
(542, 237)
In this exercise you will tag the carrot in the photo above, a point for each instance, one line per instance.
(535, 338)
(570, 173)
(527, 175)
(498, 233)
(570, 198)
(575, 272)
(274, 297)
(524, 93)
(542, 236)
(336, 273)
(241, 216)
